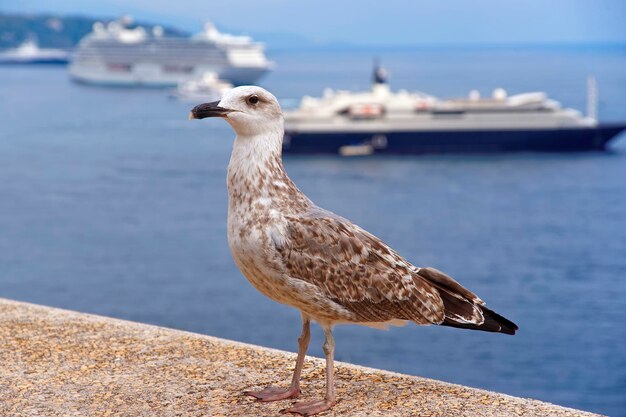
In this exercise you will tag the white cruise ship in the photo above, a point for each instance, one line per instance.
(122, 55)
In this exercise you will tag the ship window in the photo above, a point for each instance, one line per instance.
(177, 68)
(364, 111)
(448, 114)
(119, 67)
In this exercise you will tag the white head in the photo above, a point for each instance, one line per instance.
(250, 110)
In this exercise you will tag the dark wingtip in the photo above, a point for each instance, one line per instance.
(506, 325)
(494, 323)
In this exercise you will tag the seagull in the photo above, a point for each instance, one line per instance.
(304, 256)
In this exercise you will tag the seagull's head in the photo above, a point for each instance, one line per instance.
(250, 110)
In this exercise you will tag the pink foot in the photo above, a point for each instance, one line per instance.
(274, 394)
(309, 408)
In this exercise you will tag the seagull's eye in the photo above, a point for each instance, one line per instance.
(254, 99)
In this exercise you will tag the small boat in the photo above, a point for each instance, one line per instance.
(30, 53)
(209, 88)
(380, 121)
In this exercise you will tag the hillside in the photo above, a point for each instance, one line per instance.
(53, 31)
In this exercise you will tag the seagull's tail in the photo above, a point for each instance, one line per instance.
(493, 323)
(462, 308)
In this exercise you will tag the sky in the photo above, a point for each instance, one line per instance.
(365, 22)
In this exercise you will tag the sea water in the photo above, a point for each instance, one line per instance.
(111, 202)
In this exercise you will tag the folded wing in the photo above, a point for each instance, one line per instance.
(358, 271)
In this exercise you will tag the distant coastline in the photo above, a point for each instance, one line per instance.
(53, 31)
(65, 31)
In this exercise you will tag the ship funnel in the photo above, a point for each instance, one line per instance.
(380, 75)
(592, 98)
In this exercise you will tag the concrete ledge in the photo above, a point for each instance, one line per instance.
(61, 363)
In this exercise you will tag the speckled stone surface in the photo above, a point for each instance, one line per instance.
(61, 363)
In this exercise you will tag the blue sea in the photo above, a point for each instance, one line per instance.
(112, 202)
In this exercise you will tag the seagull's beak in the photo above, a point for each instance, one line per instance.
(208, 110)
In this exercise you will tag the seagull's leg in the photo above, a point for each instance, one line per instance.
(313, 407)
(274, 393)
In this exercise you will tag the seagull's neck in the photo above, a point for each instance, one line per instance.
(256, 170)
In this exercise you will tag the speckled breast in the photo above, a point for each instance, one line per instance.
(255, 257)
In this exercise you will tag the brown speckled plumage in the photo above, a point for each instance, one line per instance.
(301, 255)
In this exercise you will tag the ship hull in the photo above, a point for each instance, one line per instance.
(451, 141)
(33, 61)
(148, 75)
